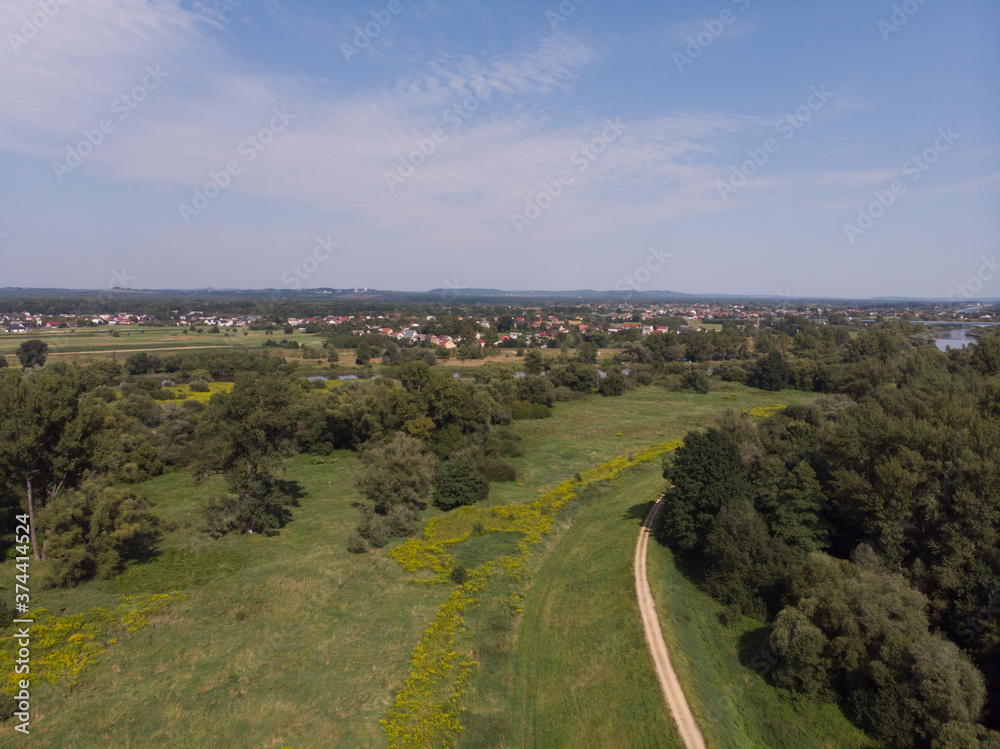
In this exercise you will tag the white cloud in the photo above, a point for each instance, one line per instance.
(336, 153)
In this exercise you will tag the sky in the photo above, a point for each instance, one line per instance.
(847, 149)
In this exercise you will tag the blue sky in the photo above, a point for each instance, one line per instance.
(844, 149)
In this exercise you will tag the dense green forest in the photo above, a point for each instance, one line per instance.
(863, 530)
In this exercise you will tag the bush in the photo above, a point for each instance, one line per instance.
(644, 378)
(198, 386)
(613, 384)
(355, 543)
(399, 521)
(697, 380)
(563, 394)
(93, 531)
(459, 574)
(460, 483)
(497, 469)
(503, 443)
(731, 372)
(527, 410)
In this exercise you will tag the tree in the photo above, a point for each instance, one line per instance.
(43, 436)
(533, 362)
(364, 353)
(587, 352)
(575, 375)
(613, 384)
(460, 482)
(794, 516)
(986, 355)
(141, 363)
(3, 362)
(92, 531)
(741, 557)
(535, 389)
(32, 353)
(770, 372)
(707, 472)
(637, 353)
(697, 380)
(397, 481)
(802, 646)
(244, 434)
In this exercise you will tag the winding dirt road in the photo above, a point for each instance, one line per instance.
(672, 692)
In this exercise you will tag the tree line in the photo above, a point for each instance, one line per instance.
(864, 530)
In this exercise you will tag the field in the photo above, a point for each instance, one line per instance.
(290, 641)
(88, 344)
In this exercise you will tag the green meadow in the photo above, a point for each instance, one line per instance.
(290, 641)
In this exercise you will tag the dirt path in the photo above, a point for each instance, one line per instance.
(672, 692)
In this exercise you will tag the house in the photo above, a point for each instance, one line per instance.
(18, 328)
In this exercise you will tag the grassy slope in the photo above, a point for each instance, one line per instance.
(584, 675)
(580, 643)
(271, 647)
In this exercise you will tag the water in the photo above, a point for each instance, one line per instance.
(956, 339)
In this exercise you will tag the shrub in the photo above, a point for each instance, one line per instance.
(459, 574)
(731, 372)
(697, 380)
(91, 532)
(198, 386)
(497, 469)
(613, 384)
(460, 483)
(527, 410)
(503, 443)
(563, 394)
(355, 543)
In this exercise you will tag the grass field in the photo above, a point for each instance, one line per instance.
(290, 641)
(584, 674)
(282, 641)
(88, 344)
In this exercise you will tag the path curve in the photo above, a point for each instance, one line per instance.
(672, 692)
